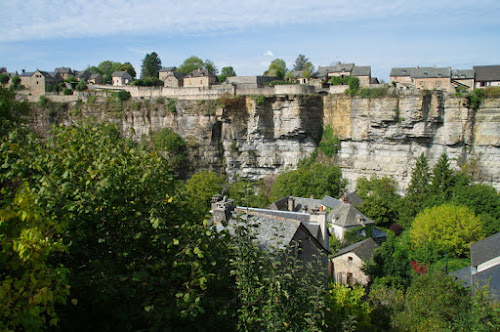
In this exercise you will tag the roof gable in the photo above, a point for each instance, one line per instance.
(363, 249)
(346, 215)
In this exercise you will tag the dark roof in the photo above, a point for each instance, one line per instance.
(94, 76)
(489, 277)
(354, 199)
(64, 70)
(487, 73)
(168, 68)
(199, 73)
(485, 250)
(346, 215)
(363, 249)
(44, 74)
(374, 80)
(430, 72)
(275, 229)
(83, 74)
(361, 71)
(26, 74)
(330, 202)
(120, 74)
(177, 75)
(464, 274)
(463, 74)
(403, 71)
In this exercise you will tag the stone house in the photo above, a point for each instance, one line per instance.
(25, 78)
(65, 72)
(249, 82)
(485, 266)
(121, 78)
(424, 78)
(36, 81)
(486, 76)
(343, 70)
(165, 71)
(348, 263)
(174, 80)
(274, 230)
(82, 75)
(199, 78)
(95, 79)
(462, 78)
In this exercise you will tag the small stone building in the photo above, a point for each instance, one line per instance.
(65, 72)
(199, 78)
(121, 78)
(462, 78)
(343, 70)
(486, 76)
(424, 78)
(348, 262)
(95, 79)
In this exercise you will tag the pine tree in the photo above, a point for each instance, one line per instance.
(442, 178)
(151, 65)
(417, 192)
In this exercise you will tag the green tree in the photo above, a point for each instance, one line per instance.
(127, 66)
(447, 228)
(169, 142)
(201, 187)
(210, 65)
(418, 190)
(248, 193)
(191, 64)
(330, 143)
(442, 180)
(312, 179)
(277, 68)
(308, 70)
(81, 86)
(151, 65)
(123, 95)
(348, 311)
(4, 78)
(225, 73)
(380, 199)
(300, 63)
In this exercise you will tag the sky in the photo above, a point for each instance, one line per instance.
(248, 35)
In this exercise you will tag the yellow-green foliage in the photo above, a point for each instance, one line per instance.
(448, 228)
(348, 310)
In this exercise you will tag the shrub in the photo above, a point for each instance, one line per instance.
(67, 92)
(123, 95)
(373, 92)
(330, 143)
(172, 105)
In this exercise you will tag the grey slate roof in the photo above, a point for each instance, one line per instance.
(346, 215)
(361, 71)
(168, 68)
(402, 71)
(354, 199)
(331, 202)
(462, 74)
(177, 75)
(64, 70)
(26, 74)
(94, 76)
(430, 72)
(340, 67)
(363, 249)
(485, 250)
(199, 73)
(275, 229)
(120, 74)
(487, 73)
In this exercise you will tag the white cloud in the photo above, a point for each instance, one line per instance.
(38, 19)
(269, 53)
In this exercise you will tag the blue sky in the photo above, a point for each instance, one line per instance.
(247, 35)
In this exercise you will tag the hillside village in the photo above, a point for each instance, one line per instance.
(202, 82)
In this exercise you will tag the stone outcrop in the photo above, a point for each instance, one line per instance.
(254, 137)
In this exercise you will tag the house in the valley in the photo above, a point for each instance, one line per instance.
(95, 79)
(462, 78)
(486, 76)
(171, 78)
(121, 78)
(165, 71)
(274, 230)
(36, 81)
(199, 78)
(25, 78)
(65, 72)
(485, 266)
(348, 262)
(341, 216)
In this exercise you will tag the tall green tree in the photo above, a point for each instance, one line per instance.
(225, 73)
(442, 180)
(210, 65)
(127, 66)
(418, 190)
(151, 65)
(190, 64)
(312, 179)
(201, 187)
(277, 68)
(300, 62)
(4, 78)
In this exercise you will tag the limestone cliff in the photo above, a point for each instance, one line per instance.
(254, 137)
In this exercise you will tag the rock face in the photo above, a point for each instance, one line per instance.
(255, 137)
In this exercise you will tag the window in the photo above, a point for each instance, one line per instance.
(349, 258)
(421, 83)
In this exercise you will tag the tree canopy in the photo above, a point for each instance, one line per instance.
(277, 68)
(190, 64)
(447, 228)
(151, 65)
(225, 73)
(300, 62)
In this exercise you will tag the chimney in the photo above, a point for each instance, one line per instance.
(221, 208)
(291, 204)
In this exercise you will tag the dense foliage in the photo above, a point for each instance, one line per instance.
(151, 65)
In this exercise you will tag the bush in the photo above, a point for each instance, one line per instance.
(123, 95)
(330, 143)
(67, 92)
(373, 92)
